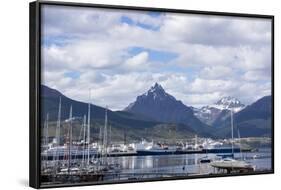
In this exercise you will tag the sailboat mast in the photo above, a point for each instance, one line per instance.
(70, 139)
(100, 143)
(232, 143)
(46, 135)
(84, 139)
(47, 130)
(105, 134)
(88, 132)
(238, 133)
(55, 155)
(196, 142)
(109, 136)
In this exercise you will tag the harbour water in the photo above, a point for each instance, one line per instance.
(185, 163)
(161, 166)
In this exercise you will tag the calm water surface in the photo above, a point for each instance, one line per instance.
(185, 163)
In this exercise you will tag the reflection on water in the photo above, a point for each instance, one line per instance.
(187, 163)
(162, 166)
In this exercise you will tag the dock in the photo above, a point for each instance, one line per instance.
(136, 153)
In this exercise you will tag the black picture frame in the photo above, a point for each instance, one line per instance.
(35, 81)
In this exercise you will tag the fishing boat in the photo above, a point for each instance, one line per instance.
(157, 149)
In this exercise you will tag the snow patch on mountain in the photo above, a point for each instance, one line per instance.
(229, 103)
(157, 92)
(208, 114)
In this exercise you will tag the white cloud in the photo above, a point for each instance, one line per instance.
(253, 91)
(216, 72)
(256, 75)
(200, 100)
(214, 30)
(71, 21)
(254, 58)
(216, 55)
(57, 80)
(210, 86)
(137, 62)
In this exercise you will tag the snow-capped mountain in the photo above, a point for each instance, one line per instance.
(161, 106)
(255, 120)
(208, 114)
(229, 103)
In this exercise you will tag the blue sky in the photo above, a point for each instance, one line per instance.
(129, 21)
(154, 55)
(121, 54)
(72, 74)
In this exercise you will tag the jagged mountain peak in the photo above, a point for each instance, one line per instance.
(161, 106)
(156, 92)
(208, 114)
(229, 102)
(156, 87)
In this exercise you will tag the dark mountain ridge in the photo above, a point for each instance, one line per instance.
(157, 110)
(252, 121)
(163, 107)
(50, 104)
(135, 126)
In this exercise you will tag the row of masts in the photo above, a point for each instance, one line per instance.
(86, 123)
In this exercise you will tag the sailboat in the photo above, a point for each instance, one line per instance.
(230, 164)
(56, 152)
(69, 169)
(86, 160)
(85, 166)
(101, 163)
